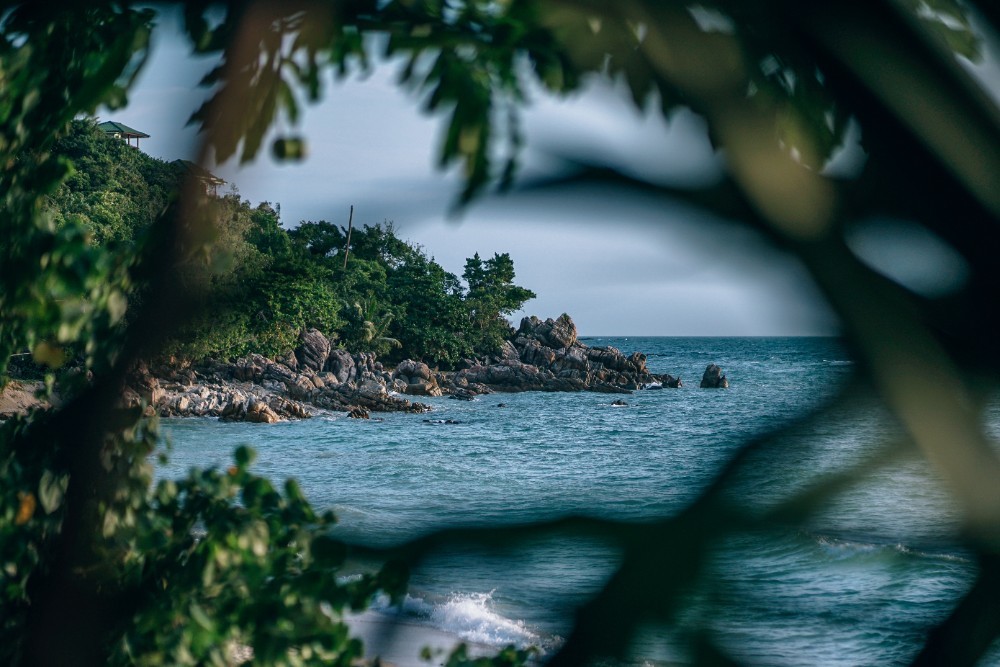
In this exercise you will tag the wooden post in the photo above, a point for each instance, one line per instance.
(350, 226)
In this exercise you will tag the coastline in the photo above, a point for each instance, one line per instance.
(316, 376)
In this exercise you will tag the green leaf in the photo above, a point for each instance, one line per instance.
(51, 489)
(199, 616)
(244, 456)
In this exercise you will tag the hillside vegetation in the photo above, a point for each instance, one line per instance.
(262, 283)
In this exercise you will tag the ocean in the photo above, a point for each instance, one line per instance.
(859, 583)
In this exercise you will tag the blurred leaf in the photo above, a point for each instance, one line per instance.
(51, 489)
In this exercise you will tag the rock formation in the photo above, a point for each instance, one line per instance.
(713, 378)
(415, 378)
(546, 356)
(541, 356)
(257, 389)
(312, 351)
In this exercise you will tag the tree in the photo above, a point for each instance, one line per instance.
(322, 239)
(491, 297)
(775, 81)
(113, 190)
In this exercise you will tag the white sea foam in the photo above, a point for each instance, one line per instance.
(843, 548)
(470, 616)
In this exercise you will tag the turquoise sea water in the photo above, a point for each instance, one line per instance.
(859, 584)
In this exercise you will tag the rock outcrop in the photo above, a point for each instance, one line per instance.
(546, 356)
(415, 378)
(257, 389)
(713, 378)
(312, 351)
(541, 356)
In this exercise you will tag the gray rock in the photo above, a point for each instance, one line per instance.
(558, 333)
(509, 352)
(300, 387)
(289, 359)
(412, 371)
(341, 364)
(313, 350)
(713, 378)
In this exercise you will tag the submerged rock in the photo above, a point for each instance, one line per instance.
(358, 412)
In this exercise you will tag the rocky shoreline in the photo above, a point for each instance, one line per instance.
(541, 356)
(317, 377)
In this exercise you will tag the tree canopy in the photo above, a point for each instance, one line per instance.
(96, 563)
(262, 284)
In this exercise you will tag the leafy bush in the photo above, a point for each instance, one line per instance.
(83, 536)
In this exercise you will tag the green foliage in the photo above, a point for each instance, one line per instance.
(55, 288)
(492, 295)
(114, 190)
(226, 560)
(261, 284)
(98, 567)
(388, 297)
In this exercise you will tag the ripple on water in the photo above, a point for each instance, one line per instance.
(857, 586)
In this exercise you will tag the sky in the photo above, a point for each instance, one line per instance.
(618, 265)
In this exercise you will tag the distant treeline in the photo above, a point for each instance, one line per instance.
(263, 284)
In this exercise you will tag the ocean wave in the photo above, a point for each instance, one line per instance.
(469, 616)
(844, 548)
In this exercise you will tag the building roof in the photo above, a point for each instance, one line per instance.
(114, 127)
(196, 170)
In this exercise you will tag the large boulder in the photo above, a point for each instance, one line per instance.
(300, 387)
(286, 408)
(637, 363)
(410, 370)
(571, 358)
(260, 412)
(713, 378)
(289, 359)
(277, 373)
(508, 352)
(341, 364)
(668, 380)
(367, 366)
(249, 410)
(312, 351)
(418, 378)
(358, 412)
(562, 331)
(535, 353)
(511, 376)
(557, 333)
(607, 357)
(428, 388)
(250, 368)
